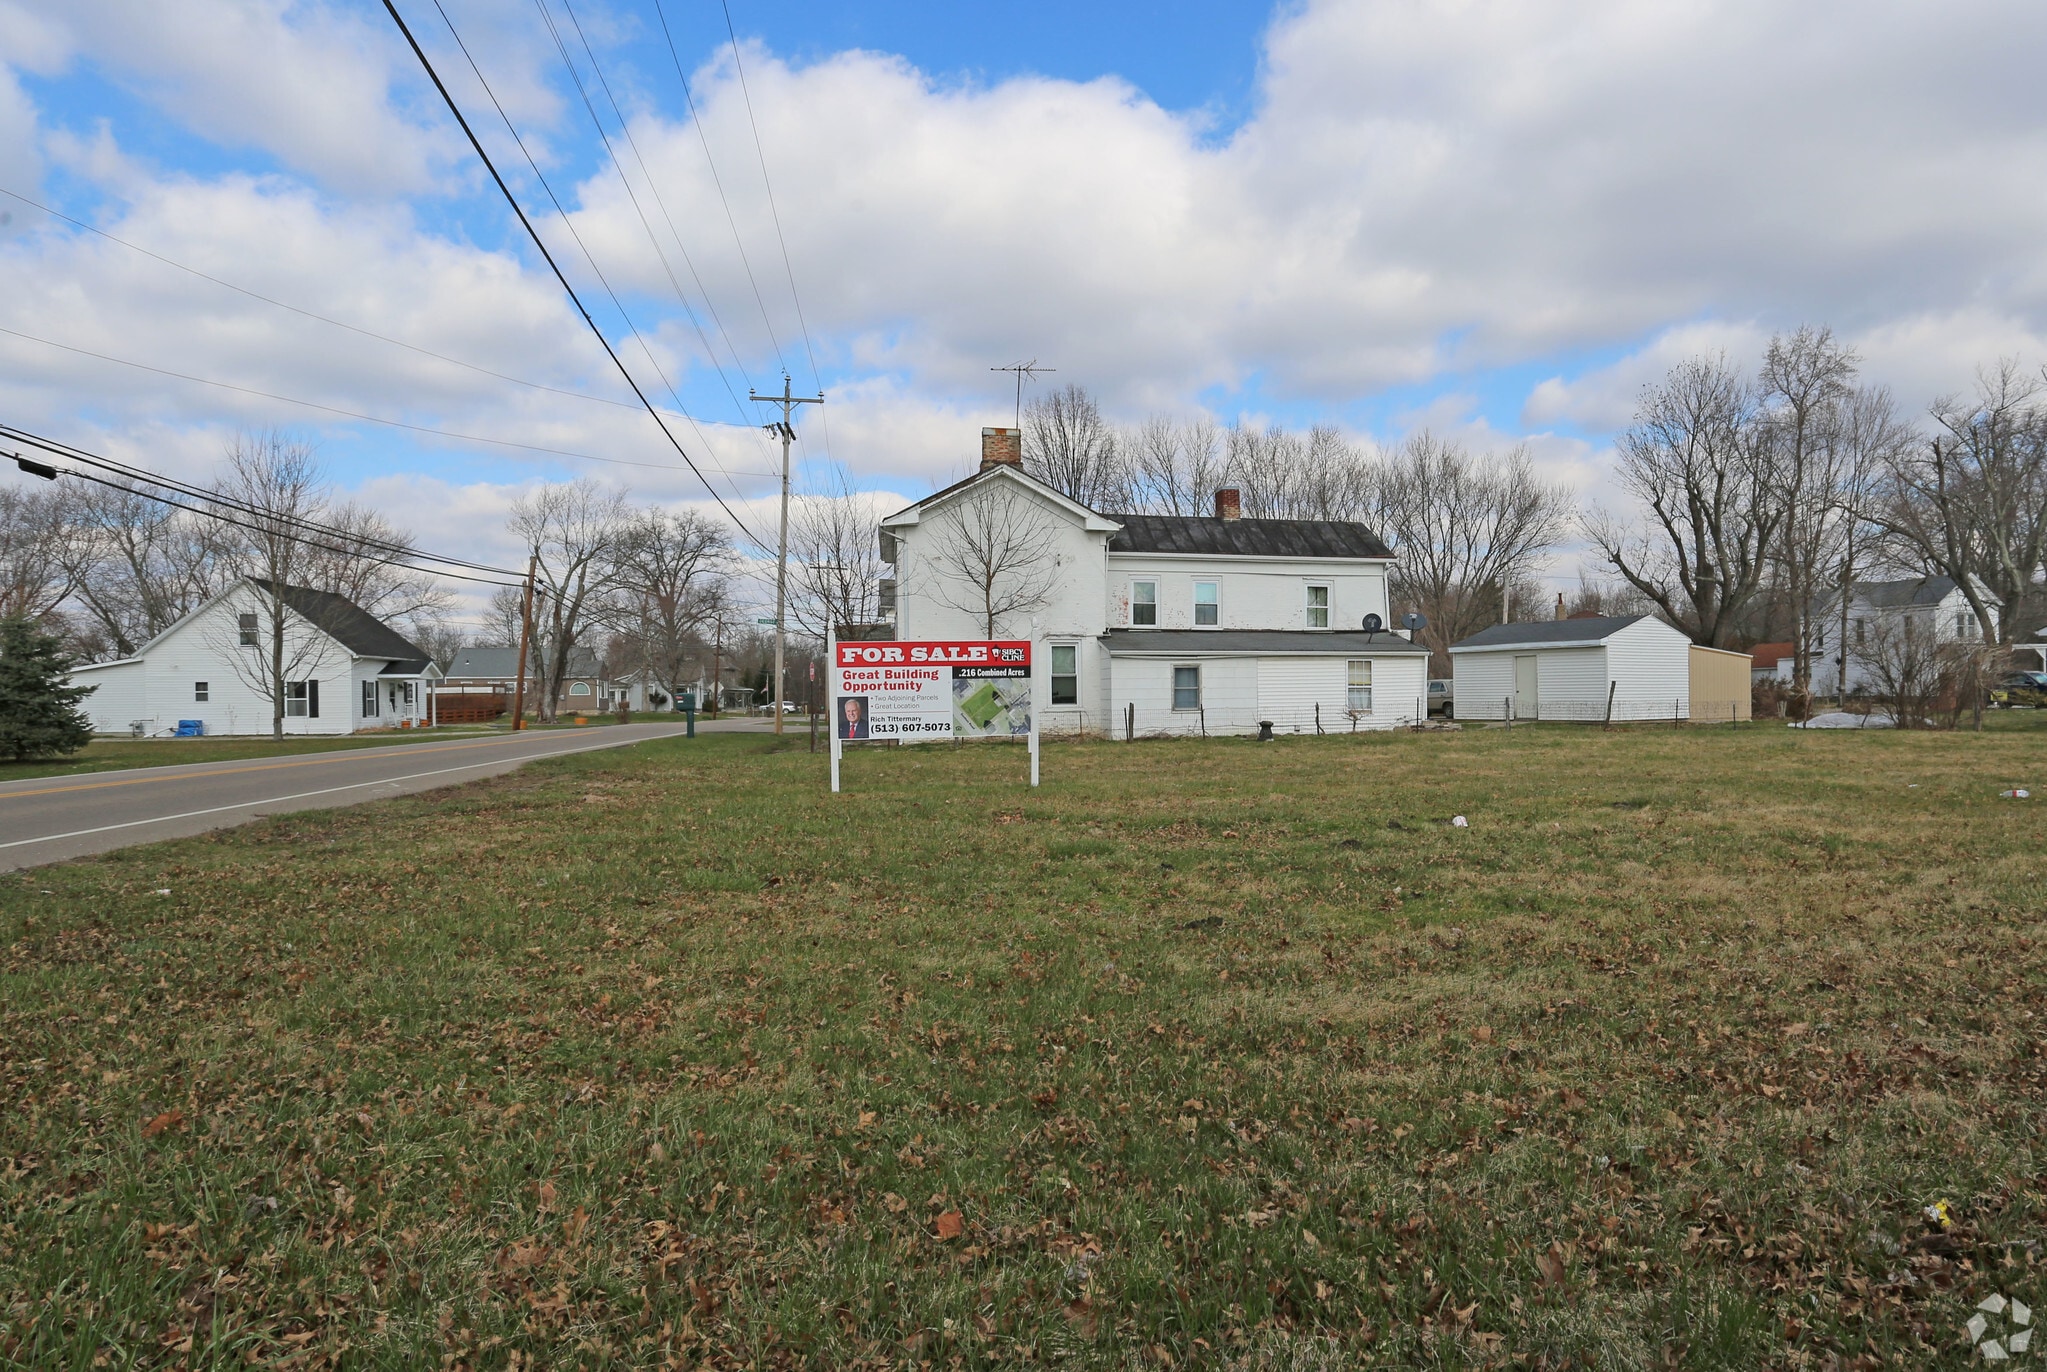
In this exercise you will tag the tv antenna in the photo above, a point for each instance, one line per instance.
(1022, 370)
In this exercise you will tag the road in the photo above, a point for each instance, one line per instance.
(50, 819)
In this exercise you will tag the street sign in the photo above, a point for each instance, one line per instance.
(769, 621)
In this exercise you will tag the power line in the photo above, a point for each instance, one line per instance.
(345, 413)
(532, 233)
(392, 552)
(588, 257)
(660, 202)
(761, 152)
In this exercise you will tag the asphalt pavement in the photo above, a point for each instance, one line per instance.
(50, 819)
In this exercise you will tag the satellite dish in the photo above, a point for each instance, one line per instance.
(1413, 620)
(1373, 624)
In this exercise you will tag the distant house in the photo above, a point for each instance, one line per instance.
(1570, 669)
(1771, 661)
(1929, 610)
(495, 671)
(346, 670)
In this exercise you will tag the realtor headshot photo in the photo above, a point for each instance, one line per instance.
(852, 717)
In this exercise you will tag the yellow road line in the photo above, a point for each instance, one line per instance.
(329, 755)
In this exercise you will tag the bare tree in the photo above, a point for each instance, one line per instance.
(35, 560)
(138, 565)
(575, 531)
(1971, 503)
(362, 559)
(1071, 448)
(1466, 531)
(993, 557)
(1804, 390)
(670, 583)
(275, 481)
(835, 560)
(1695, 461)
(1175, 468)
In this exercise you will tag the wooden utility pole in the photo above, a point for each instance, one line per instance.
(525, 637)
(787, 434)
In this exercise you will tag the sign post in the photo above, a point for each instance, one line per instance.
(927, 692)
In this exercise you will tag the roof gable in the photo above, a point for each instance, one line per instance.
(348, 624)
(911, 515)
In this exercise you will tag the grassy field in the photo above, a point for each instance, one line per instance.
(1204, 1054)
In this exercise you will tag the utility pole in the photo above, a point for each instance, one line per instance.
(782, 429)
(1022, 370)
(525, 636)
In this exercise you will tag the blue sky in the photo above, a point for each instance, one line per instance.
(1496, 220)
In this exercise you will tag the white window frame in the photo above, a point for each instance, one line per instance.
(1215, 603)
(202, 692)
(297, 699)
(579, 688)
(1153, 622)
(1309, 608)
(246, 628)
(1056, 675)
(1357, 695)
(1178, 668)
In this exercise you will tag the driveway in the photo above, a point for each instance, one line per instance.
(49, 819)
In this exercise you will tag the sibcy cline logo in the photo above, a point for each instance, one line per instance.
(2001, 1328)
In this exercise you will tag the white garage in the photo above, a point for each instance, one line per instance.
(1620, 667)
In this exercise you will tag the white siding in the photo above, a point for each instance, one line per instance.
(117, 700)
(1400, 692)
(1291, 688)
(1254, 593)
(1229, 695)
(1652, 668)
(1482, 682)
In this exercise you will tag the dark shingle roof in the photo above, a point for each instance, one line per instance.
(350, 625)
(1255, 641)
(1549, 631)
(1896, 595)
(502, 664)
(1144, 533)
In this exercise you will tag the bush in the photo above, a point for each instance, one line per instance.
(39, 714)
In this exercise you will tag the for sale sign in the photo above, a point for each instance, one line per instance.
(922, 691)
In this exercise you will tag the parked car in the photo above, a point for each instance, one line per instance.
(2028, 689)
(1442, 698)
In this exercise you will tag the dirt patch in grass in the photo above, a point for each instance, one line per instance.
(1204, 1053)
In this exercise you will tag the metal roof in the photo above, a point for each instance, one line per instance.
(1550, 633)
(1147, 533)
(1258, 642)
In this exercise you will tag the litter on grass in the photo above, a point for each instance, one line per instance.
(1459, 822)
(1841, 719)
(2019, 793)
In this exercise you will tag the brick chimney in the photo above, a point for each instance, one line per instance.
(1561, 613)
(1001, 447)
(1229, 504)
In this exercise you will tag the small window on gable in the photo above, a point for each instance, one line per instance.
(246, 625)
(1318, 607)
(1186, 688)
(200, 693)
(1065, 674)
(1206, 607)
(1144, 603)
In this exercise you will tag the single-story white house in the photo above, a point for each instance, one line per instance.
(1570, 669)
(1151, 624)
(344, 670)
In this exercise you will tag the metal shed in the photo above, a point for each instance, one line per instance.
(1722, 683)
(1620, 667)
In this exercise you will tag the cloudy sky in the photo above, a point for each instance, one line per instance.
(1497, 218)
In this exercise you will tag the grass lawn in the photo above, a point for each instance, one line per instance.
(109, 753)
(1204, 1054)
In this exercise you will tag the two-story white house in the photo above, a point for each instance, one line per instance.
(344, 670)
(1881, 614)
(1153, 624)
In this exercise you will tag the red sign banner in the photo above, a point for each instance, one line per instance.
(962, 653)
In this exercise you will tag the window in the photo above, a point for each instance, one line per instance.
(1186, 688)
(302, 699)
(199, 692)
(1358, 697)
(1861, 633)
(369, 700)
(1144, 603)
(1205, 603)
(579, 688)
(1318, 607)
(248, 630)
(1065, 674)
